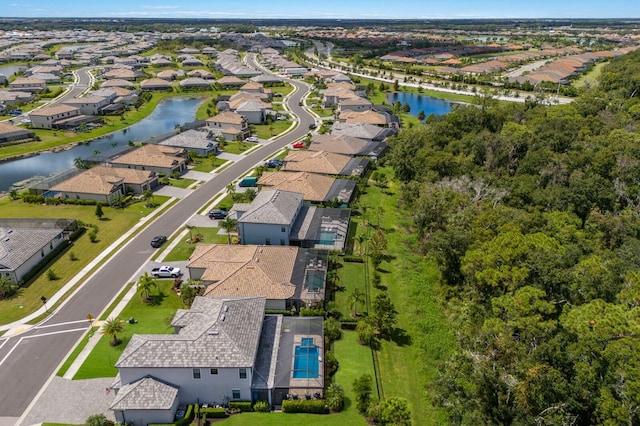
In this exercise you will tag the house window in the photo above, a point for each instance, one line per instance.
(243, 373)
(283, 229)
(196, 373)
(214, 371)
(42, 253)
(281, 241)
(267, 241)
(235, 394)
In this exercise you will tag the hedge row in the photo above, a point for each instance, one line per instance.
(214, 413)
(348, 324)
(243, 406)
(284, 312)
(313, 406)
(188, 417)
(353, 259)
(39, 199)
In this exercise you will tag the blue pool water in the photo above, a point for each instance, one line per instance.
(306, 364)
(327, 237)
(307, 342)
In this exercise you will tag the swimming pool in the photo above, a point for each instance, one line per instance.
(306, 364)
(327, 237)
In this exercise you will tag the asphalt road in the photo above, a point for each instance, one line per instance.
(28, 360)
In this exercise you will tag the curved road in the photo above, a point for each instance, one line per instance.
(28, 360)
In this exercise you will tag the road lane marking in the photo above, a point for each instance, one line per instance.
(38, 335)
(58, 324)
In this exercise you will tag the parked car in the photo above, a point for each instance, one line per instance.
(217, 214)
(158, 240)
(248, 182)
(166, 272)
(312, 126)
(299, 145)
(15, 112)
(251, 139)
(274, 163)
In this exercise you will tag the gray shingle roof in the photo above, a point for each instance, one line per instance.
(217, 333)
(17, 245)
(145, 394)
(272, 207)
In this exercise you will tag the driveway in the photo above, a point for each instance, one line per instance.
(172, 191)
(201, 176)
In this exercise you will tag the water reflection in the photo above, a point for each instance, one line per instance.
(168, 114)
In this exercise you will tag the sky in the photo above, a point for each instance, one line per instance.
(328, 9)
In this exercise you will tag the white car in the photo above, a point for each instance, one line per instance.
(251, 139)
(166, 272)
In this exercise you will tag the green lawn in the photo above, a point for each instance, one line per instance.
(408, 365)
(207, 164)
(237, 147)
(114, 223)
(351, 277)
(590, 78)
(285, 89)
(183, 250)
(355, 360)
(267, 131)
(181, 182)
(152, 319)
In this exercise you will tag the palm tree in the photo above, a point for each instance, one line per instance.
(7, 287)
(147, 196)
(79, 163)
(146, 283)
(229, 224)
(356, 296)
(361, 238)
(113, 327)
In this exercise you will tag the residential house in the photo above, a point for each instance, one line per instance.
(367, 116)
(49, 117)
(13, 134)
(170, 75)
(89, 105)
(90, 185)
(26, 84)
(256, 88)
(14, 97)
(327, 163)
(121, 74)
(24, 243)
(198, 141)
(341, 144)
(230, 125)
(315, 188)
(195, 83)
(163, 160)
(273, 272)
(207, 75)
(355, 104)
(117, 82)
(280, 218)
(155, 84)
(231, 82)
(222, 349)
(254, 111)
(364, 131)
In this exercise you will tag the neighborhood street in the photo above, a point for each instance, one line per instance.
(29, 359)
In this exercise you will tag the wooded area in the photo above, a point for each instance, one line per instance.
(532, 214)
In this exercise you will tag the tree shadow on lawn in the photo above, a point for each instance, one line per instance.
(157, 299)
(400, 337)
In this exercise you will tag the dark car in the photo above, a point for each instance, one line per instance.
(273, 163)
(158, 240)
(15, 112)
(217, 214)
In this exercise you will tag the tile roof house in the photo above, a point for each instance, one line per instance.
(365, 116)
(231, 81)
(222, 349)
(24, 243)
(274, 272)
(48, 117)
(314, 187)
(327, 163)
(355, 104)
(280, 218)
(362, 131)
(11, 133)
(195, 83)
(102, 184)
(25, 84)
(89, 105)
(155, 84)
(230, 125)
(163, 160)
(169, 75)
(341, 144)
(198, 141)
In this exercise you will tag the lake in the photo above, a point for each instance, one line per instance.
(164, 118)
(419, 103)
(9, 70)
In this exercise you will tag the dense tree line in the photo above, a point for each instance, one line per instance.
(532, 215)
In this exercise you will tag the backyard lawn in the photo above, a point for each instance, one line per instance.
(152, 318)
(114, 223)
(355, 360)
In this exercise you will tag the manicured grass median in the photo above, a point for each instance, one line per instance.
(152, 318)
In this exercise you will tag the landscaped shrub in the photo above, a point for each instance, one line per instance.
(331, 363)
(304, 312)
(334, 397)
(188, 417)
(313, 406)
(332, 330)
(349, 324)
(362, 387)
(354, 259)
(243, 406)
(262, 407)
(51, 274)
(214, 413)
(285, 312)
(33, 199)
